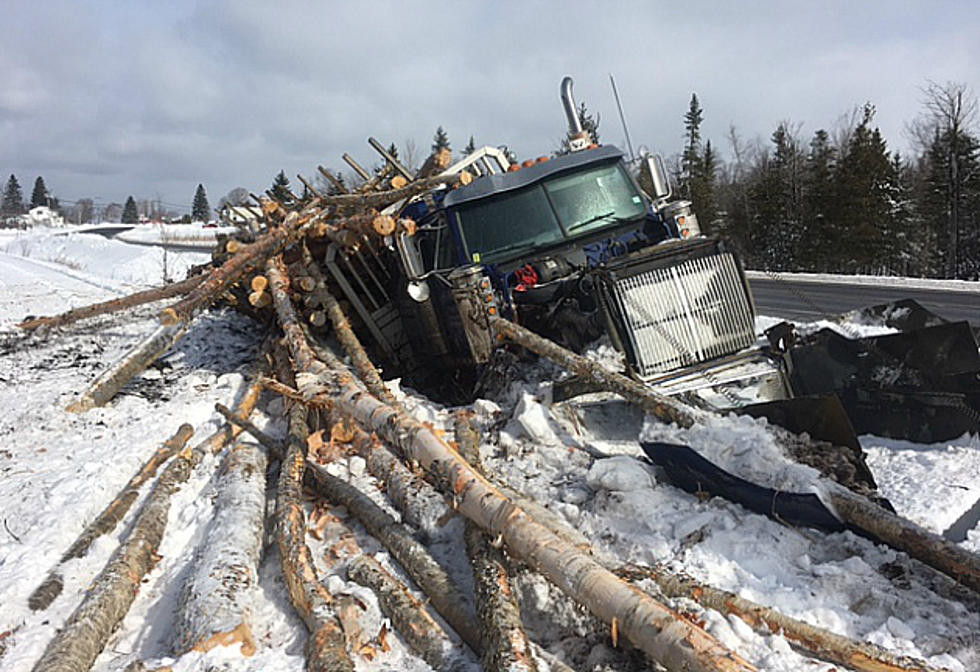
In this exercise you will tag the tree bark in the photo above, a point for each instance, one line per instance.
(217, 601)
(275, 447)
(897, 532)
(824, 644)
(444, 595)
(407, 614)
(506, 647)
(106, 521)
(134, 362)
(325, 648)
(114, 305)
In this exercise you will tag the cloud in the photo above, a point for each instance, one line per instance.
(150, 98)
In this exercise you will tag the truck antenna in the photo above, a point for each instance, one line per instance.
(622, 117)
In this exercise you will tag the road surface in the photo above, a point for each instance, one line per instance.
(792, 299)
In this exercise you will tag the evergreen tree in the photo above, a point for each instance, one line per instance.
(13, 198)
(776, 229)
(703, 187)
(200, 210)
(130, 215)
(470, 147)
(280, 188)
(691, 158)
(818, 204)
(865, 186)
(954, 153)
(440, 141)
(39, 196)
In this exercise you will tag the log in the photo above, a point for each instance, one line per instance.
(435, 163)
(75, 647)
(325, 648)
(407, 614)
(897, 532)
(218, 598)
(114, 305)
(134, 362)
(822, 643)
(445, 597)
(274, 446)
(106, 521)
(506, 647)
(380, 199)
(332, 179)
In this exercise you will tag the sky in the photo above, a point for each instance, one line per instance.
(109, 99)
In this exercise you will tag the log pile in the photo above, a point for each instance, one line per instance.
(278, 278)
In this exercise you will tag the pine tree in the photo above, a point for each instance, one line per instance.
(130, 215)
(440, 141)
(200, 210)
(39, 196)
(470, 147)
(13, 198)
(280, 188)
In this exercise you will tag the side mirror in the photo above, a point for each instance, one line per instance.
(408, 251)
(655, 171)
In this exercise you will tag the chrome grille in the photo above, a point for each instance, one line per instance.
(685, 314)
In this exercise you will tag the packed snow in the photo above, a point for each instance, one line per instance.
(579, 459)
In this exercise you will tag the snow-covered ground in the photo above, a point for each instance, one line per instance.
(578, 458)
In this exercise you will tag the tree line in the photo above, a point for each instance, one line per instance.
(843, 202)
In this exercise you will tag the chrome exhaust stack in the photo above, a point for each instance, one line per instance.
(578, 138)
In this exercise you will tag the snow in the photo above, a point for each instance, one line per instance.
(580, 460)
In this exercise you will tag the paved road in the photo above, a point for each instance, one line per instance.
(807, 300)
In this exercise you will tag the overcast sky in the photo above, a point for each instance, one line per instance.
(107, 99)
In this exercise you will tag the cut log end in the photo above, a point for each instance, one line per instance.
(398, 181)
(383, 225)
(259, 283)
(241, 635)
(168, 317)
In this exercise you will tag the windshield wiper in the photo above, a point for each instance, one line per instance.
(590, 220)
(515, 246)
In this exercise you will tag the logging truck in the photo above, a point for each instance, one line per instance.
(575, 247)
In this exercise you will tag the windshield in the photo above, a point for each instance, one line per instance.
(549, 212)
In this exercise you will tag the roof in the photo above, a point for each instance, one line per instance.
(496, 184)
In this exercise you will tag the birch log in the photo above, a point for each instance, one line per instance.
(114, 305)
(75, 647)
(899, 533)
(134, 362)
(407, 614)
(658, 631)
(325, 648)
(861, 656)
(217, 601)
(106, 521)
(506, 647)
